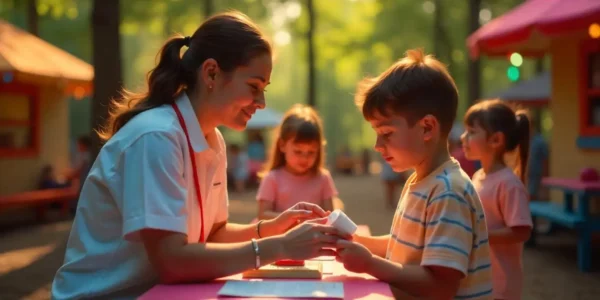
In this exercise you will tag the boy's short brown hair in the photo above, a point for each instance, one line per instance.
(415, 86)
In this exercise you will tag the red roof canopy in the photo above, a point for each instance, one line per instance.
(528, 27)
(33, 60)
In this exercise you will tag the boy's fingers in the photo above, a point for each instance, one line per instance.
(319, 226)
(328, 240)
(327, 252)
(343, 244)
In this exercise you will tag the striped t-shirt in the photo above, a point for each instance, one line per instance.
(440, 222)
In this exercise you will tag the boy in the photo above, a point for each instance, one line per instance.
(438, 245)
(82, 165)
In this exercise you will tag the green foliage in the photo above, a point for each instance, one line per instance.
(353, 39)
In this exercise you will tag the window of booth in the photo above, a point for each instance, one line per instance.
(589, 100)
(19, 120)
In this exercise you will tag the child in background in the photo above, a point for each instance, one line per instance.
(391, 181)
(83, 160)
(537, 162)
(48, 179)
(438, 244)
(239, 167)
(256, 154)
(83, 163)
(457, 152)
(295, 171)
(493, 130)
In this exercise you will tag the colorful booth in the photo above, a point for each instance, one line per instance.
(569, 32)
(36, 79)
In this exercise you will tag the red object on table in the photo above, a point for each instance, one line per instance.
(289, 262)
(356, 286)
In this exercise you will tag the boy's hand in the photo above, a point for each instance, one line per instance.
(355, 257)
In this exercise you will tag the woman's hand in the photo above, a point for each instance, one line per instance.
(311, 239)
(291, 217)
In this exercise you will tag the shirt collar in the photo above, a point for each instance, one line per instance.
(197, 138)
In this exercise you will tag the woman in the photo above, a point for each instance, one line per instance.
(154, 205)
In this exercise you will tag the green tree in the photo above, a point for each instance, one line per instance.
(32, 17)
(311, 53)
(106, 61)
(474, 73)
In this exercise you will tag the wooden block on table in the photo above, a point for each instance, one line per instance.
(311, 270)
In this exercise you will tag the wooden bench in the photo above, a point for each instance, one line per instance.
(40, 199)
(566, 215)
(556, 214)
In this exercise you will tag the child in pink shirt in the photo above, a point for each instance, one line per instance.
(295, 171)
(493, 129)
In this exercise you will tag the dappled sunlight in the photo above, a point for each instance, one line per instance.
(40, 293)
(320, 51)
(21, 258)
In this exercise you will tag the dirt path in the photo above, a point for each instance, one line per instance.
(30, 254)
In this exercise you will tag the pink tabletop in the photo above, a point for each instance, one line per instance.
(356, 286)
(572, 183)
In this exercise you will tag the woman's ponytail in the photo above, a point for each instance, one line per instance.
(164, 82)
(522, 134)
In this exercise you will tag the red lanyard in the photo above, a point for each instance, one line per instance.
(195, 171)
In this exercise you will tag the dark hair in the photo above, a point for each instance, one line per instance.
(46, 172)
(47, 169)
(231, 38)
(415, 86)
(497, 116)
(302, 124)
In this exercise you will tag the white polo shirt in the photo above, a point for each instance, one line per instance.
(141, 179)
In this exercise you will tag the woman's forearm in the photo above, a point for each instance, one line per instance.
(205, 262)
(231, 233)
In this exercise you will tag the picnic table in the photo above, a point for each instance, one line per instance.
(356, 286)
(40, 199)
(566, 215)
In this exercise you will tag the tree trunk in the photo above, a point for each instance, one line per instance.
(437, 29)
(106, 58)
(311, 54)
(32, 17)
(441, 39)
(474, 70)
(209, 8)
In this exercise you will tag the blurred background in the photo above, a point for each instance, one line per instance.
(62, 60)
(353, 39)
